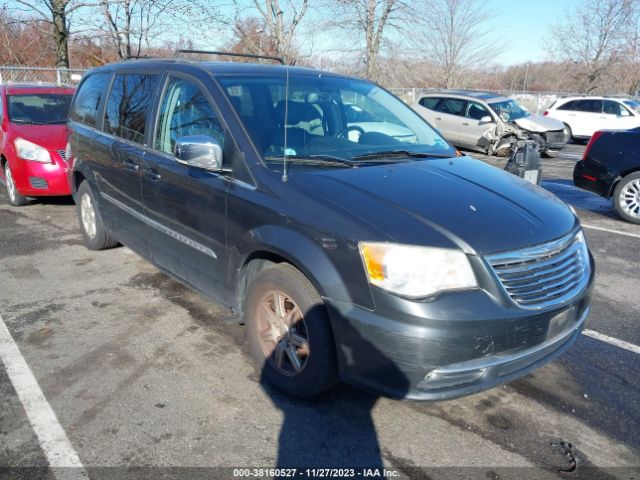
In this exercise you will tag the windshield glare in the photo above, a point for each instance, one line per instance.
(39, 109)
(509, 110)
(327, 116)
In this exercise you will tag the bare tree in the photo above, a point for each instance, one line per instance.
(372, 19)
(595, 37)
(56, 14)
(281, 24)
(455, 37)
(132, 26)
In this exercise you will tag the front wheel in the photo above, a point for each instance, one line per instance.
(96, 236)
(626, 198)
(15, 197)
(288, 331)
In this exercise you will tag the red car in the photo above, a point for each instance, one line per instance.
(33, 140)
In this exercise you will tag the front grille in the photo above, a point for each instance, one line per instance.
(63, 154)
(39, 183)
(545, 275)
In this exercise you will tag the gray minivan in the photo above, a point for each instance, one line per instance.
(393, 264)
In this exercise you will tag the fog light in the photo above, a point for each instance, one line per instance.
(437, 380)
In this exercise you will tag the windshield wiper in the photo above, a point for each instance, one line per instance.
(386, 154)
(314, 159)
(28, 122)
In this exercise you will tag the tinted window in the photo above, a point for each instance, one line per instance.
(452, 106)
(185, 111)
(129, 102)
(40, 109)
(614, 108)
(476, 111)
(589, 105)
(571, 105)
(429, 102)
(85, 107)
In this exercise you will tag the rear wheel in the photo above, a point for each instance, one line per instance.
(15, 197)
(568, 134)
(626, 198)
(289, 333)
(96, 236)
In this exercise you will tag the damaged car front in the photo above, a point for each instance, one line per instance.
(516, 121)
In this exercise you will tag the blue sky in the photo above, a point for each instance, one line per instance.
(525, 24)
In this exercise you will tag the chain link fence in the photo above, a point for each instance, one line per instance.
(40, 76)
(535, 102)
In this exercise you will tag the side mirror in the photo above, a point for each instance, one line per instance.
(485, 119)
(201, 151)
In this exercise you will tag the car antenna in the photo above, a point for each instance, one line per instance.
(285, 176)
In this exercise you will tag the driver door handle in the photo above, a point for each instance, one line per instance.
(153, 174)
(131, 165)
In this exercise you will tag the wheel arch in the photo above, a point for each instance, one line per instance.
(279, 244)
(620, 177)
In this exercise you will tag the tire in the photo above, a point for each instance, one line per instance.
(626, 198)
(306, 336)
(96, 236)
(16, 199)
(568, 134)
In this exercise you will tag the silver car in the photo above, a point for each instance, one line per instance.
(488, 123)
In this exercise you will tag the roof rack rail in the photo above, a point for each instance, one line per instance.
(229, 54)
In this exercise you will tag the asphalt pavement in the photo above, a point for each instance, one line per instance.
(148, 380)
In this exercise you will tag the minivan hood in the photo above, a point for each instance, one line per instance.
(52, 137)
(477, 207)
(539, 123)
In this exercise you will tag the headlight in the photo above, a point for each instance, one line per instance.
(30, 151)
(414, 271)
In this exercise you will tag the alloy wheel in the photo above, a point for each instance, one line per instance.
(630, 198)
(88, 215)
(11, 186)
(282, 333)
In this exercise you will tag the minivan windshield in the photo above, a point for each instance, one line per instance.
(323, 118)
(509, 110)
(39, 109)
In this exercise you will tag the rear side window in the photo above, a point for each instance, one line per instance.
(429, 102)
(85, 107)
(185, 111)
(452, 106)
(128, 106)
(570, 105)
(589, 105)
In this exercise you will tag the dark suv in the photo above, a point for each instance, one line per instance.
(383, 259)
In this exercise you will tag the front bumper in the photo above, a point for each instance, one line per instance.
(457, 345)
(41, 179)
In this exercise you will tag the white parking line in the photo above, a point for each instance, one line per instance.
(609, 230)
(60, 455)
(612, 341)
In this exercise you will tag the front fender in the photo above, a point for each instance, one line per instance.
(315, 258)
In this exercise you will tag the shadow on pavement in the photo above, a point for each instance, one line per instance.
(334, 429)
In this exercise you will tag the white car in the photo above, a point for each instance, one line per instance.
(583, 116)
